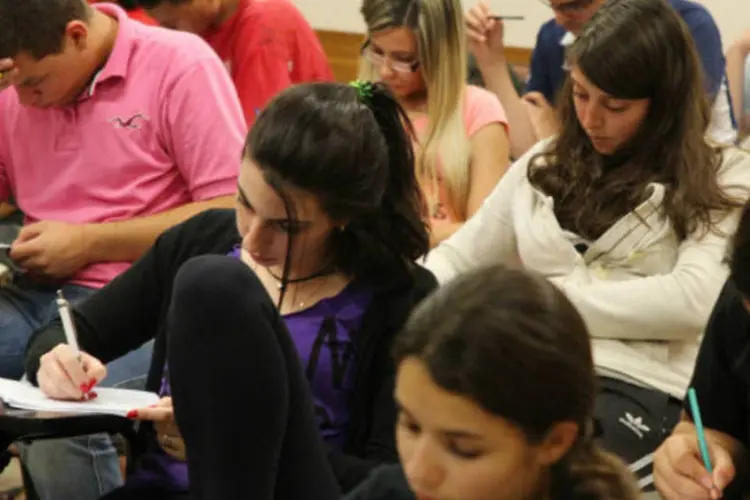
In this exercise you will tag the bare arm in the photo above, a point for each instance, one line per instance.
(486, 42)
(736, 56)
(497, 78)
(489, 161)
(128, 240)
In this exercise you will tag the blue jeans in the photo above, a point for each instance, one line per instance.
(85, 467)
(81, 468)
(25, 308)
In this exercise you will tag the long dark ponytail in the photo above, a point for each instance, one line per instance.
(351, 146)
(589, 472)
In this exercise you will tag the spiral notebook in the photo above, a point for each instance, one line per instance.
(109, 401)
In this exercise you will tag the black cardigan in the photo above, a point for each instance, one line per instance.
(132, 310)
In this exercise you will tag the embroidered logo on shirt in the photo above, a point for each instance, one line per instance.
(635, 424)
(132, 122)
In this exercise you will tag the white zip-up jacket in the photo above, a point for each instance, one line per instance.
(645, 295)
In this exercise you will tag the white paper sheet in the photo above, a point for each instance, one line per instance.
(24, 396)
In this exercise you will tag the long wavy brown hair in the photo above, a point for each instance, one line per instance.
(636, 49)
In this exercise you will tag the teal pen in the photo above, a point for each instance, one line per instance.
(695, 410)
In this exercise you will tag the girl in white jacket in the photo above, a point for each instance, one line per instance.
(628, 211)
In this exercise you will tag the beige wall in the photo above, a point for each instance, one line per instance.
(732, 16)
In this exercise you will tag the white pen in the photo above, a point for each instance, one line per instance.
(63, 307)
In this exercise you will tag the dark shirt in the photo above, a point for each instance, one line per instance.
(133, 309)
(547, 71)
(721, 378)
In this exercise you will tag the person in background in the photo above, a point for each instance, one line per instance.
(738, 74)
(267, 45)
(722, 386)
(494, 387)
(629, 211)
(103, 147)
(337, 259)
(134, 12)
(533, 116)
(418, 49)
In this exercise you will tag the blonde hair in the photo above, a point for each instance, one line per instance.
(441, 39)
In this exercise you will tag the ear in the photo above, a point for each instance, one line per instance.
(77, 33)
(559, 439)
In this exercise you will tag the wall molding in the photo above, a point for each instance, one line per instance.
(343, 48)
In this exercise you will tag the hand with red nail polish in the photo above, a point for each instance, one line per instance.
(69, 375)
(162, 415)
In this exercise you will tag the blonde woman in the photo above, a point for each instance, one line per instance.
(418, 49)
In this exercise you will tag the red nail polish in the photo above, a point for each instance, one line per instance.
(85, 388)
(91, 395)
(92, 383)
(132, 414)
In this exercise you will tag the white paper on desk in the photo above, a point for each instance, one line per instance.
(24, 396)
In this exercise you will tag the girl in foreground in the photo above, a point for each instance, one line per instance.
(495, 389)
(321, 246)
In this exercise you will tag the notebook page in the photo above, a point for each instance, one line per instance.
(111, 401)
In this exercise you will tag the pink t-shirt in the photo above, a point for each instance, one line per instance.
(481, 108)
(160, 127)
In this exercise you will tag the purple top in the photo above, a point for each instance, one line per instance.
(323, 337)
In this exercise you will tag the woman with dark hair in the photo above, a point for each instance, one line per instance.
(327, 226)
(628, 211)
(495, 389)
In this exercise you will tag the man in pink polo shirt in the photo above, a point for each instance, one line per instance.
(111, 132)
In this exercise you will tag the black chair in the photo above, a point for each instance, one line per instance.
(26, 426)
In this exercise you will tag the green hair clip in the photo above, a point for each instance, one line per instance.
(364, 90)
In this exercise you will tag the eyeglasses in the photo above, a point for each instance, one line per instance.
(573, 7)
(380, 59)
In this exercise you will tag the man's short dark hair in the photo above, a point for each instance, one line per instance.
(37, 27)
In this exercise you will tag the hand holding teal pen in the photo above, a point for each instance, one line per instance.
(695, 410)
(716, 490)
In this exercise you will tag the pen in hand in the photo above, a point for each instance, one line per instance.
(71, 337)
(701, 434)
(63, 307)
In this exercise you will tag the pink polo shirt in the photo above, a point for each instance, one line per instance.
(160, 127)
(481, 108)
